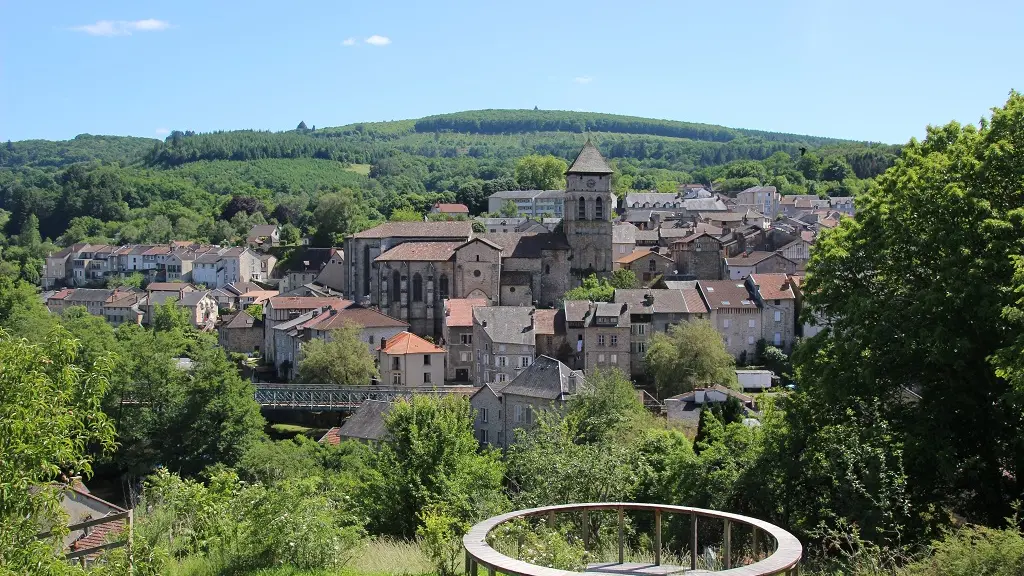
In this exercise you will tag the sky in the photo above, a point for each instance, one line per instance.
(866, 70)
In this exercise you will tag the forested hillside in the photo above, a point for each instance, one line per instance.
(213, 187)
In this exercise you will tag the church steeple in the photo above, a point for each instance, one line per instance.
(589, 161)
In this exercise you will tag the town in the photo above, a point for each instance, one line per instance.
(443, 303)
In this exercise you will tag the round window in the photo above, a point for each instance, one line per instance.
(476, 273)
(512, 289)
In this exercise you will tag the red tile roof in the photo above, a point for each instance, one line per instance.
(409, 343)
(694, 303)
(638, 254)
(544, 321)
(307, 302)
(460, 311)
(418, 230)
(359, 316)
(451, 208)
(773, 286)
(420, 252)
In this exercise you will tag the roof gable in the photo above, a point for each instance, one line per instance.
(589, 161)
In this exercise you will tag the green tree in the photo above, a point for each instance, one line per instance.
(535, 172)
(290, 234)
(50, 402)
(690, 355)
(624, 279)
(916, 291)
(405, 215)
(336, 214)
(605, 403)
(593, 289)
(255, 310)
(509, 209)
(431, 460)
(343, 360)
(836, 169)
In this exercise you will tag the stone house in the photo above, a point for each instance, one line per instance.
(775, 295)
(647, 264)
(241, 333)
(373, 325)
(598, 335)
(654, 311)
(699, 256)
(92, 299)
(366, 424)
(405, 359)
(122, 307)
(543, 259)
(412, 280)
(623, 238)
(739, 267)
(504, 342)
(263, 236)
(280, 309)
(550, 330)
(764, 199)
(332, 274)
(457, 337)
(734, 313)
(202, 308)
(798, 251)
(501, 409)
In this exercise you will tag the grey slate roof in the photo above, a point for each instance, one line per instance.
(663, 198)
(89, 295)
(546, 378)
(705, 205)
(589, 161)
(506, 324)
(367, 423)
(193, 298)
(663, 301)
(525, 193)
(516, 245)
(623, 233)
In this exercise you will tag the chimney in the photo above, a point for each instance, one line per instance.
(649, 299)
(533, 321)
(383, 343)
(484, 323)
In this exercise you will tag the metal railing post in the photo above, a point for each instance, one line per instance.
(657, 537)
(620, 536)
(727, 546)
(586, 530)
(693, 544)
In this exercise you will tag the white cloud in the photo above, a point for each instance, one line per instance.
(122, 27)
(377, 40)
(583, 79)
(348, 42)
(162, 131)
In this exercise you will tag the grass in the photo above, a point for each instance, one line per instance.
(362, 169)
(287, 431)
(378, 557)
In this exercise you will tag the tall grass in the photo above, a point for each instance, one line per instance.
(385, 556)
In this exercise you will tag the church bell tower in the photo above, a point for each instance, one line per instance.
(588, 211)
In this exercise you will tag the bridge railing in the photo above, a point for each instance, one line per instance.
(784, 558)
(329, 397)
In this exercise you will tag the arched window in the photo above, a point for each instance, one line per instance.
(599, 209)
(417, 287)
(442, 285)
(396, 286)
(581, 209)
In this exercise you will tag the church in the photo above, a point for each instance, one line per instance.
(408, 269)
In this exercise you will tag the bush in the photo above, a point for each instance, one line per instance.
(441, 539)
(975, 551)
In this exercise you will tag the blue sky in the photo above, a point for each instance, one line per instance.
(868, 70)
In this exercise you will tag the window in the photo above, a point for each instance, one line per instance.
(599, 209)
(549, 340)
(524, 361)
(467, 339)
(615, 340)
(426, 378)
(463, 357)
(426, 359)
(442, 285)
(396, 379)
(547, 269)
(725, 323)
(396, 286)
(652, 265)
(581, 209)
(639, 329)
(477, 257)
(641, 347)
(476, 273)
(622, 249)
(777, 339)
(600, 339)
(600, 358)
(501, 361)
(417, 287)
(750, 339)
(483, 436)
(519, 413)
(777, 302)
(751, 323)
(615, 358)
(395, 364)
(728, 340)
(778, 316)
(501, 436)
(483, 415)
(487, 346)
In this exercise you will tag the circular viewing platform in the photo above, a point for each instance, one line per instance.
(764, 548)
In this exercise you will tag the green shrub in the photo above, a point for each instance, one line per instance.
(974, 551)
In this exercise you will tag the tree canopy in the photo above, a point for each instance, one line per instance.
(689, 356)
(343, 360)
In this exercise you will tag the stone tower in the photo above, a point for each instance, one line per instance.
(588, 212)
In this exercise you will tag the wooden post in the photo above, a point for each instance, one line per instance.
(693, 544)
(131, 547)
(490, 571)
(620, 536)
(551, 519)
(474, 568)
(727, 546)
(469, 561)
(586, 530)
(755, 542)
(657, 537)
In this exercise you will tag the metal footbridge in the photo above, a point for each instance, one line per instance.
(329, 398)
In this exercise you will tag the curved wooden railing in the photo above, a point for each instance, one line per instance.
(786, 550)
